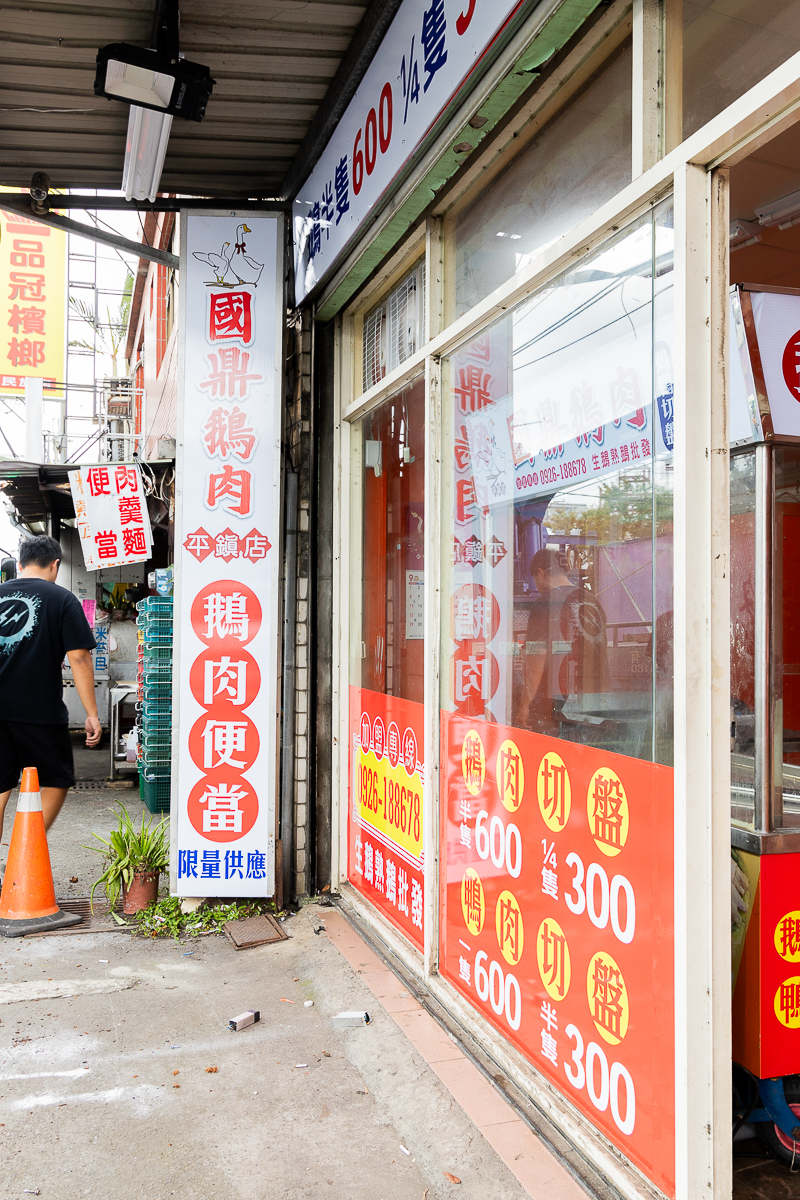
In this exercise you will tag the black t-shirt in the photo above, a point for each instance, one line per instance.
(39, 623)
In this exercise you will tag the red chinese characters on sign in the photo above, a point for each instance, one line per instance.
(385, 859)
(228, 545)
(226, 613)
(231, 490)
(230, 316)
(225, 681)
(558, 920)
(790, 365)
(229, 376)
(223, 806)
(224, 742)
(106, 541)
(228, 432)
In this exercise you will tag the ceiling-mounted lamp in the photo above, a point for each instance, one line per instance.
(780, 212)
(158, 84)
(158, 78)
(145, 148)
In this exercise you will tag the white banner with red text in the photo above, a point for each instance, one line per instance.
(227, 556)
(111, 514)
(429, 51)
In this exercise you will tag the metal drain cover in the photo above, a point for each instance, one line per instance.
(254, 931)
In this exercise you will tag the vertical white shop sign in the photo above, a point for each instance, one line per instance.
(227, 556)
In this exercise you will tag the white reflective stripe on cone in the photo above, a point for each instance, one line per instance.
(29, 802)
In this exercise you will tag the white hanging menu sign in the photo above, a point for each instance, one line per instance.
(111, 514)
(227, 556)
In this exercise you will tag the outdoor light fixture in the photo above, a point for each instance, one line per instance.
(156, 79)
(145, 148)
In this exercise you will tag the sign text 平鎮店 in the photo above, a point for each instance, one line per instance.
(429, 50)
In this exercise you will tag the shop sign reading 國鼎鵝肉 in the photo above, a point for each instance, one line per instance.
(229, 524)
(558, 920)
(385, 854)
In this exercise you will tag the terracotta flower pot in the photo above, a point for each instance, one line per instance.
(142, 892)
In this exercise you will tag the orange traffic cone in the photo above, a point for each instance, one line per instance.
(28, 899)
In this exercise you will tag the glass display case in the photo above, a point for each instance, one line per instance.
(765, 570)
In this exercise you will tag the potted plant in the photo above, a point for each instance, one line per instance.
(134, 859)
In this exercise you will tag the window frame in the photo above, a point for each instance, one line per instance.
(695, 172)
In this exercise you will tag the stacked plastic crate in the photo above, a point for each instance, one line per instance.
(155, 701)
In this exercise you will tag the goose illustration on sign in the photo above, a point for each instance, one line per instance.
(232, 267)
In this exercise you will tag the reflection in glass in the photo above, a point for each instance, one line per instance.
(786, 634)
(389, 515)
(743, 637)
(579, 160)
(561, 438)
(728, 48)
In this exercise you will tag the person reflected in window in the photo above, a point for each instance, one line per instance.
(566, 653)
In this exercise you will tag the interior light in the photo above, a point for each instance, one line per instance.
(145, 148)
(779, 210)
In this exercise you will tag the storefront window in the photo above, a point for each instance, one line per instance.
(743, 637)
(387, 587)
(578, 161)
(786, 636)
(557, 685)
(728, 48)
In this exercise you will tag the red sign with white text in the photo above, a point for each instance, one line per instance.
(385, 857)
(557, 926)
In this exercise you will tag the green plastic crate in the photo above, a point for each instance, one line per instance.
(155, 793)
(157, 653)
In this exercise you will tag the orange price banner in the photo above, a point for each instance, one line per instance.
(385, 816)
(558, 920)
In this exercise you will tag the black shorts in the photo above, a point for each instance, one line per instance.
(46, 747)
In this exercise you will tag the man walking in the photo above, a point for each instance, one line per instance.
(40, 623)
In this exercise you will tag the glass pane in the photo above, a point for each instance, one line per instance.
(579, 160)
(786, 633)
(557, 544)
(557, 683)
(387, 580)
(728, 46)
(743, 637)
